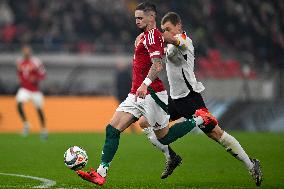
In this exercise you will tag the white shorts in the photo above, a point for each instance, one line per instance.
(24, 95)
(147, 107)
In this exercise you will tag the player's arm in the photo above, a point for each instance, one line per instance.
(155, 69)
(39, 69)
(169, 38)
(41, 72)
(153, 73)
(179, 40)
(155, 44)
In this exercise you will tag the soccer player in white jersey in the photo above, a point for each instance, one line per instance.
(30, 73)
(185, 97)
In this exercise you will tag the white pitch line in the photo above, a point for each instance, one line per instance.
(46, 182)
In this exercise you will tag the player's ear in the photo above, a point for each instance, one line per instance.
(179, 25)
(152, 15)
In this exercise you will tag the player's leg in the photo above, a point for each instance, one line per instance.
(177, 108)
(23, 96)
(125, 115)
(158, 119)
(172, 159)
(148, 130)
(119, 122)
(37, 98)
(233, 147)
(231, 144)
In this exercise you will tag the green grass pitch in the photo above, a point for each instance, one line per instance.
(138, 164)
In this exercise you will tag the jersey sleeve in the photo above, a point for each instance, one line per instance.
(154, 43)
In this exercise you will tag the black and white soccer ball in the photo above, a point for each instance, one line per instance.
(75, 158)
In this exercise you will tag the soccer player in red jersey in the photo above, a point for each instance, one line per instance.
(152, 104)
(30, 72)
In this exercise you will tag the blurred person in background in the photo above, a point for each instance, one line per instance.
(30, 72)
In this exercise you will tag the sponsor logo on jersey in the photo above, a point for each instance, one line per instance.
(157, 125)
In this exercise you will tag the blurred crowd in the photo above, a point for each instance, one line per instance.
(252, 30)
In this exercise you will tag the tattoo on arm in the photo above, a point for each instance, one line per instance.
(155, 69)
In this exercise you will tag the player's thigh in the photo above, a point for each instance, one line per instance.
(156, 116)
(173, 110)
(122, 120)
(188, 105)
(129, 105)
(37, 98)
(126, 113)
(161, 132)
(23, 95)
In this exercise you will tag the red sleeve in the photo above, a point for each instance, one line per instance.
(154, 43)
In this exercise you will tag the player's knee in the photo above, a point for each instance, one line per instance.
(216, 133)
(166, 140)
(143, 123)
(209, 128)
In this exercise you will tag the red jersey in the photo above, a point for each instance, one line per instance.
(30, 72)
(149, 45)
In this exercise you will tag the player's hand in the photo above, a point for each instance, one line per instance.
(169, 38)
(141, 91)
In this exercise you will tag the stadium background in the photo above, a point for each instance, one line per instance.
(87, 46)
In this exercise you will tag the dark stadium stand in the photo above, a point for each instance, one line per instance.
(238, 28)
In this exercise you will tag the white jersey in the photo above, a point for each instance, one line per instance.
(180, 66)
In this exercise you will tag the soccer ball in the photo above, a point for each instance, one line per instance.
(75, 158)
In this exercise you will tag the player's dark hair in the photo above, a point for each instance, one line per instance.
(172, 17)
(146, 7)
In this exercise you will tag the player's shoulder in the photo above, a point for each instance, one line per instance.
(153, 37)
(153, 32)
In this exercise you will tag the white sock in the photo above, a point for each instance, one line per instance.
(234, 148)
(153, 139)
(102, 170)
